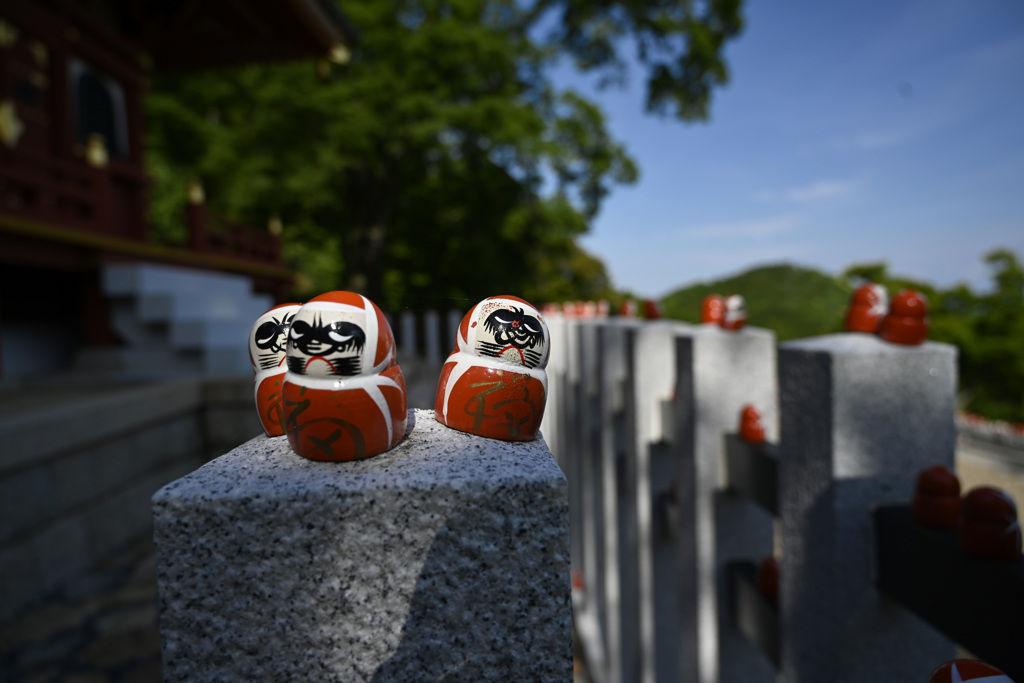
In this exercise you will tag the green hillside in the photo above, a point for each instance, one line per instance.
(795, 302)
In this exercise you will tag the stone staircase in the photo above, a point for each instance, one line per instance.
(176, 321)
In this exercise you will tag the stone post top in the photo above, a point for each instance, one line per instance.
(715, 330)
(859, 343)
(430, 457)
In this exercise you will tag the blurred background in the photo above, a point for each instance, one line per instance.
(170, 169)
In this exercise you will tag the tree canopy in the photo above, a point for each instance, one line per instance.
(441, 164)
(986, 327)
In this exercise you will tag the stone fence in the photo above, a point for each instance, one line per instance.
(670, 513)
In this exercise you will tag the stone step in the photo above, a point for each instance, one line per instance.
(188, 305)
(132, 279)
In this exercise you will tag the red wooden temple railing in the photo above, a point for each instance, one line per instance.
(106, 199)
(211, 233)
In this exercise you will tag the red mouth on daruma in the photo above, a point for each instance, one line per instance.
(512, 348)
(322, 360)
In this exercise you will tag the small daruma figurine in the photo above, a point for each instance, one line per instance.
(936, 500)
(735, 316)
(344, 393)
(494, 384)
(652, 309)
(907, 320)
(867, 308)
(751, 429)
(268, 340)
(712, 310)
(966, 670)
(768, 578)
(988, 526)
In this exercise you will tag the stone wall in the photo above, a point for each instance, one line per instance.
(79, 464)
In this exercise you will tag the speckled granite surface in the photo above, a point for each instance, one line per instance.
(446, 558)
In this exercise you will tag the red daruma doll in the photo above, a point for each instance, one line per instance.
(867, 308)
(493, 384)
(712, 310)
(344, 393)
(966, 671)
(907, 320)
(268, 341)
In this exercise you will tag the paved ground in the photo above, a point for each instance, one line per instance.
(100, 628)
(103, 627)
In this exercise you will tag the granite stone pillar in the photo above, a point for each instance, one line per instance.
(860, 418)
(446, 557)
(718, 372)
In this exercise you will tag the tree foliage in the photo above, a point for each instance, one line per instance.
(793, 301)
(441, 165)
(987, 327)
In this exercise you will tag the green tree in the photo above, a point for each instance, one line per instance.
(420, 172)
(986, 328)
(992, 358)
(793, 301)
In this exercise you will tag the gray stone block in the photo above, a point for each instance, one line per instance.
(21, 578)
(124, 514)
(62, 550)
(726, 371)
(39, 435)
(229, 426)
(86, 475)
(230, 390)
(860, 418)
(26, 499)
(446, 557)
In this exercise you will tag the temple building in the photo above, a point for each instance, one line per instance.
(73, 204)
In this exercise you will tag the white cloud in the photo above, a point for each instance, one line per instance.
(759, 227)
(823, 189)
(820, 190)
(873, 140)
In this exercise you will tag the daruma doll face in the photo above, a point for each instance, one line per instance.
(344, 393)
(268, 339)
(337, 335)
(511, 333)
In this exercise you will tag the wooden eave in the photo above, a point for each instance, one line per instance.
(182, 35)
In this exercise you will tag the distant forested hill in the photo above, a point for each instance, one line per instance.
(986, 327)
(795, 302)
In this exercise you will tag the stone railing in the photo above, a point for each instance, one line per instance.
(670, 514)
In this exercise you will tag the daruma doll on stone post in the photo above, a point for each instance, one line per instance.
(344, 393)
(268, 341)
(494, 384)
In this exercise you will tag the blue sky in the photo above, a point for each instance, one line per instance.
(849, 132)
